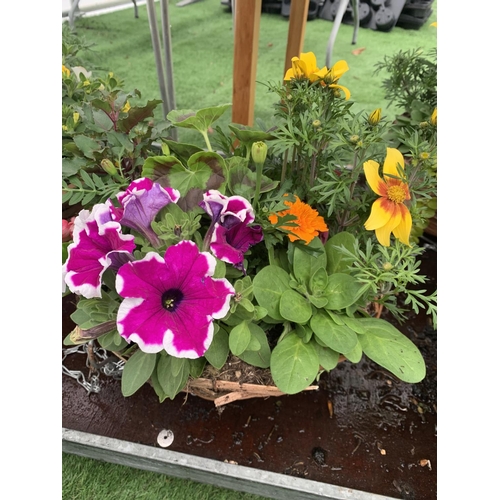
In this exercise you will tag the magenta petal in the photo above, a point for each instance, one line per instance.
(95, 247)
(227, 211)
(230, 245)
(141, 202)
(170, 302)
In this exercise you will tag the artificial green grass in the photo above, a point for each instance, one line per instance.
(202, 54)
(89, 479)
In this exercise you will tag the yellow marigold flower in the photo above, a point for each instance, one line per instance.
(333, 75)
(65, 71)
(309, 222)
(434, 117)
(126, 107)
(303, 67)
(389, 214)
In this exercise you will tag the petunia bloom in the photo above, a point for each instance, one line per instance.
(389, 214)
(229, 235)
(227, 211)
(141, 202)
(98, 244)
(170, 303)
(230, 245)
(309, 223)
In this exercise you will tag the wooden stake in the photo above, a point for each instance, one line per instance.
(246, 48)
(296, 30)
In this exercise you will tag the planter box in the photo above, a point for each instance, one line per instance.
(363, 435)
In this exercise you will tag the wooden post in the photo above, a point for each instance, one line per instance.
(296, 30)
(246, 49)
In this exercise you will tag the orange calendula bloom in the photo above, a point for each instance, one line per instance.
(309, 222)
(389, 213)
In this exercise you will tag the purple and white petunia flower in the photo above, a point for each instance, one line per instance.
(227, 210)
(140, 204)
(98, 244)
(170, 302)
(229, 245)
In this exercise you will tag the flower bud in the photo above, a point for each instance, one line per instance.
(108, 167)
(354, 138)
(425, 155)
(76, 117)
(316, 123)
(423, 124)
(259, 152)
(375, 116)
(434, 117)
(66, 72)
(387, 266)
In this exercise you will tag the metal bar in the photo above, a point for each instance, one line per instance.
(155, 39)
(336, 25)
(207, 471)
(167, 47)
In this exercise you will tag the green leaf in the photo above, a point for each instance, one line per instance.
(137, 371)
(294, 365)
(196, 367)
(182, 150)
(200, 120)
(71, 166)
(87, 145)
(262, 356)
(268, 286)
(239, 338)
(172, 374)
(342, 291)
(295, 307)
(218, 351)
(249, 136)
(328, 358)
(387, 346)
(102, 120)
(338, 262)
(337, 337)
(137, 114)
(355, 355)
(307, 260)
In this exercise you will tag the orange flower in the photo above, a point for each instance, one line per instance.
(309, 222)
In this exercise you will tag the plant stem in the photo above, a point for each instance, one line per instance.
(204, 133)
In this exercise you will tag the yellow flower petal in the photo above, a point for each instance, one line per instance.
(383, 233)
(379, 216)
(309, 60)
(338, 69)
(402, 231)
(373, 178)
(392, 159)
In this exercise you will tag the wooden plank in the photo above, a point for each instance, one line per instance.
(203, 470)
(246, 50)
(296, 30)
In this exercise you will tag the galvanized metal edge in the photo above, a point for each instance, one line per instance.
(225, 475)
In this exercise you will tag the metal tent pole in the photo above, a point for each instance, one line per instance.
(164, 81)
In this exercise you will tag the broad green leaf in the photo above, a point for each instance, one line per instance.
(342, 291)
(337, 337)
(307, 260)
(249, 136)
(102, 120)
(196, 367)
(318, 281)
(71, 166)
(200, 120)
(304, 332)
(328, 358)
(262, 356)
(337, 261)
(268, 286)
(218, 351)
(87, 145)
(295, 307)
(172, 383)
(137, 114)
(239, 338)
(388, 347)
(137, 371)
(355, 355)
(182, 150)
(294, 365)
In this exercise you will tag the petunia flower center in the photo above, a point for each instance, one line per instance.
(397, 194)
(171, 299)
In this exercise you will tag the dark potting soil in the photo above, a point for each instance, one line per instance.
(363, 429)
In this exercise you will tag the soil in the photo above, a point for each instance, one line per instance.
(363, 429)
